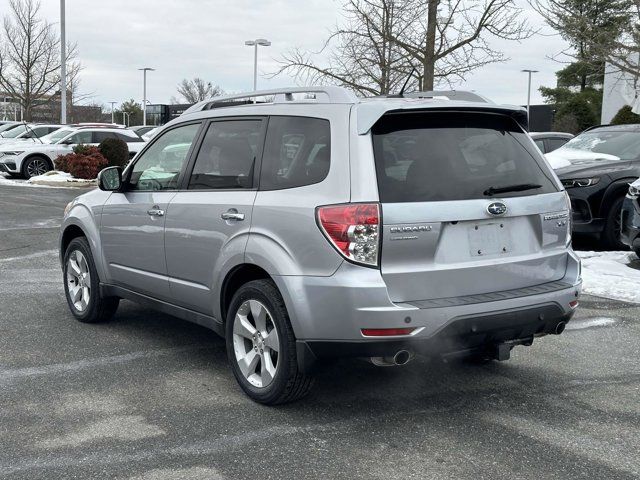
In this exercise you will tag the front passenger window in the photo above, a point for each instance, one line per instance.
(160, 165)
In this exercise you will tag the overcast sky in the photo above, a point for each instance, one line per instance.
(205, 38)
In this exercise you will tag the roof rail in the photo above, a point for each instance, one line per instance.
(462, 95)
(330, 94)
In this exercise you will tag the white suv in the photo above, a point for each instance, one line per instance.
(33, 159)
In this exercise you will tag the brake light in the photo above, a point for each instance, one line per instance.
(353, 229)
(386, 332)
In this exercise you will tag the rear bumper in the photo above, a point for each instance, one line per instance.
(461, 335)
(335, 309)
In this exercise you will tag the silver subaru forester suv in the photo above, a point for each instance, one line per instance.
(305, 224)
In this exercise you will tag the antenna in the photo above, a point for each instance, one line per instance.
(401, 94)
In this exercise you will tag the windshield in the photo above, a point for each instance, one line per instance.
(57, 135)
(439, 156)
(8, 126)
(622, 145)
(14, 132)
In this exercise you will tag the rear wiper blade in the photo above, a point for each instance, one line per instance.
(511, 188)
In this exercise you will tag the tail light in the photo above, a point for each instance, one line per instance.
(353, 229)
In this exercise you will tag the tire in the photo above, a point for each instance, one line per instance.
(271, 374)
(611, 234)
(36, 165)
(88, 306)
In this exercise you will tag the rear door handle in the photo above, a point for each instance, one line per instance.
(232, 216)
(155, 212)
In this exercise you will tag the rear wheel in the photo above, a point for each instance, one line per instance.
(613, 227)
(34, 166)
(82, 286)
(261, 345)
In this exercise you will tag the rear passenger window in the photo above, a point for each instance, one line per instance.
(227, 156)
(297, 152)
(98, 137)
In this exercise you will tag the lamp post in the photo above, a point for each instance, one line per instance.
(144, 93)
(529, 91)
(254, 43)
(125, 118)
(112, 112)
(63, 66)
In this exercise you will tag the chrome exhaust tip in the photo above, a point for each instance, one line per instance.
(401, 357)
(560, 328)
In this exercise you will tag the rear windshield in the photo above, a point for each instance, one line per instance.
(438, 156)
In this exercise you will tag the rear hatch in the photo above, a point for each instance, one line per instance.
(469, 207)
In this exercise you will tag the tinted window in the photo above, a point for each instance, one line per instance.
(81, 137)
(556, 143)
(540, 144)
(100, 136)
(159, 166)
(424, 157)
(297, 152)
(128, 138)
(227, 156)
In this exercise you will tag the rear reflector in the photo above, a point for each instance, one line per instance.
(386, 332)
(353, 229)
(573, 303)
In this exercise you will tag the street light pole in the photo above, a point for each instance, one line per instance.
(63, 66)
(112, 112)
(529, 91)
(144, 93)
(254, 43)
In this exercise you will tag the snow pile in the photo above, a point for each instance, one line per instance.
(607, 274)
(56, 177)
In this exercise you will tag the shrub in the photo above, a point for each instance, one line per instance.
(87, 166)
(82, 149)
(625, 116)
(82, 165)
(115, 151)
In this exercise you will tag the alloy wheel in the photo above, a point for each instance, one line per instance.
(256, 344)
(78, 281)
(36, 167)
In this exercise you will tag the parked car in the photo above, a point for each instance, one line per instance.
(142, 129)
(31, 159)
(596, 168)
(630, 218)
(550, 141)
(150, 134)
(322, 225)
(27, 132)
(8, 126)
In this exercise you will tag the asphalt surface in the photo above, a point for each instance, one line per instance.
(149, 396)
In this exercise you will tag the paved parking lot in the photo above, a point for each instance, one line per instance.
(148, 396)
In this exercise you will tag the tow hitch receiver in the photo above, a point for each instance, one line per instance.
(502, 351)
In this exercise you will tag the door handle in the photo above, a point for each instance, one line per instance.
(155, 212)
(232, 216)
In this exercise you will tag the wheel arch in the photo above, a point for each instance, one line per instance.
(234, 279)
(34, 155)
(614, 191)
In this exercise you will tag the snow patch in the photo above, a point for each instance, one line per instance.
(607, 274)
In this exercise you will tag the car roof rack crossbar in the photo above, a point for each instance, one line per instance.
(320, 94)
(463, 95)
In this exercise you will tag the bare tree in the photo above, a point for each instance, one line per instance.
(197, 90)
(29, 59)
(384, 40)
(361, 56)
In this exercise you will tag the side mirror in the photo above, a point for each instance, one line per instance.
(110, 179)
(67, 142)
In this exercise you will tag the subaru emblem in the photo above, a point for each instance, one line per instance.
(497, 208)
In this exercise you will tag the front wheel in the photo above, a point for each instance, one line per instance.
(613, 227)
(34, 166)
(82, 287)
(261, 345)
